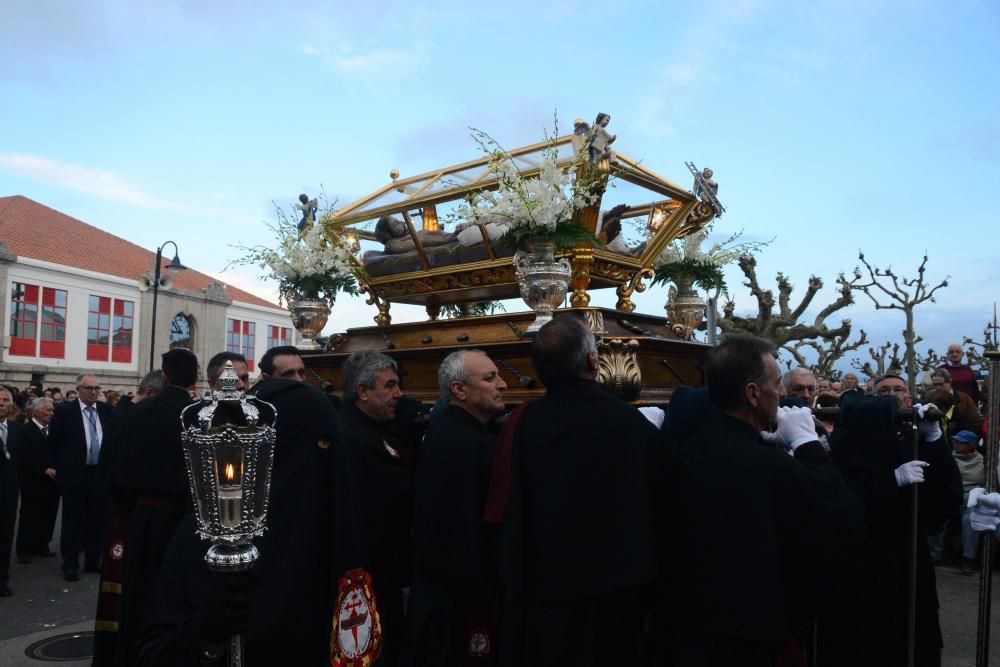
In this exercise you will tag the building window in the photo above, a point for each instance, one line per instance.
(53, 329)
(23, 319)
(122, 325)
(182, 332)
(240, 338)
(278, 336)
(107, 337)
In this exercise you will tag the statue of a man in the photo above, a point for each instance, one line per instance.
(601, 140)
(308, 208)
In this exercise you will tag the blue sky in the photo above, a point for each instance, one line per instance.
(831, 126)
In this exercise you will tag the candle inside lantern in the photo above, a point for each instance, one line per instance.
(230, 485)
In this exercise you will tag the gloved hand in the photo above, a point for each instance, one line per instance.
(795, 427)
(984, 510)
(930, 429)
(225, 607)
(654, 415)
(911, 472)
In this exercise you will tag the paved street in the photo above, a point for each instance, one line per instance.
(44, 605)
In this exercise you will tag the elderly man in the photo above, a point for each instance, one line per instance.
(75, 436)
(800, 383)
(10, 440)
(963, 415)
(748, 594)
(452, 601)
(384, 481)
(578, 555)
(963, 378)
(37, 478)
(875, 453)
(283, 361)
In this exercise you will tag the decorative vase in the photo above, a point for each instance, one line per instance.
(543, 279)
(684, 306)
(309, 316)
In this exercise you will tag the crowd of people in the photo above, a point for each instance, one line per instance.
(732, 528)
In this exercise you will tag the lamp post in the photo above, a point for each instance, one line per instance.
(174, 266)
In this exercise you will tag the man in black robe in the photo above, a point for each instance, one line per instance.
(875, 453)
(150, 483)
(756, 522)
(577, 553)
(384, 483)
(284, 605)
(451, 620)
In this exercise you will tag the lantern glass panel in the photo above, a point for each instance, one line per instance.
(229, 470)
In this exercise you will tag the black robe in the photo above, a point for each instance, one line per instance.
(578, 534)
(148, 488)
(385, 493)
(313, 536)
(756, 537)
(868, 458)
(452, 602)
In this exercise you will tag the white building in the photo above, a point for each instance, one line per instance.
(72, 303)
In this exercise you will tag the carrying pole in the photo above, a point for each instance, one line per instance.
(911, 630)
(986, 569)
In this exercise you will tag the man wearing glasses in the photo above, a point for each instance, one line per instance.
(76, 435)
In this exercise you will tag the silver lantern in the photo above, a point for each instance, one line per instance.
(228, 441)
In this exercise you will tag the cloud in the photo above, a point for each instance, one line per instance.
(99, 182)
(374, 62)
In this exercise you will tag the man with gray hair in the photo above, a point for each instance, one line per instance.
(36, 474)
(384, 481)
(453, 582)
(800, 383)
(964, 415)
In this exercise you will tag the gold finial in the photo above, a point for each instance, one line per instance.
(394, 174)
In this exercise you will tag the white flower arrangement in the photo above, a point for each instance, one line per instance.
(307, 264)
(541, 206)
(684, 258)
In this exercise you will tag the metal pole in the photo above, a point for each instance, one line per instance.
(911, 635)
(986, 570)
(711, 323)
(156, 291)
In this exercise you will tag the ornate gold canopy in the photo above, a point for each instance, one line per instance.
(671, 212)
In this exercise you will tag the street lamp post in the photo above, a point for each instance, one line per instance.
(175, 265)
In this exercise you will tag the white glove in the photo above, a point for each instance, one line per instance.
(911, 472)
(930, 429)
(654, 415)
(795, 427)
(984, 510)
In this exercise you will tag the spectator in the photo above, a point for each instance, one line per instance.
(963, 378)
(964, 416)
(973, 472)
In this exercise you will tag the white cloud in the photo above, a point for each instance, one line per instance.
(98, 182)
(374, 62)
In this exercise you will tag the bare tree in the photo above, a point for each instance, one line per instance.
(889, 291)
(881, 362)
(783, 327)
(828, 353)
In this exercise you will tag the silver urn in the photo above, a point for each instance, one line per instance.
(543, 280)
(309, 316)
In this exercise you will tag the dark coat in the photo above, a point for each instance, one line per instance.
(757, 534)
(68, 440)
(150, 478)
(9, 469)
(33, 458)
(385, 495)
(578, 531)
(313, 536)
(454, 576)
(868, 459)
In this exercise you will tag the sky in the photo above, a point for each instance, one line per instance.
(831, 126)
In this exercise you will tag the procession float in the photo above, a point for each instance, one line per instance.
(551, 223)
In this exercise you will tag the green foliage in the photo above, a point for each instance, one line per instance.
(703, 273)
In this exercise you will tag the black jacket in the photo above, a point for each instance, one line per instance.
(33, 458)
(68, 440)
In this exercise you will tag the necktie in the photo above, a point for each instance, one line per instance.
(3, 440)
(95, 441)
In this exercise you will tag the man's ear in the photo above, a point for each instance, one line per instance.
(751, 390)
(362, 392)
(593, 362)
(458, 390)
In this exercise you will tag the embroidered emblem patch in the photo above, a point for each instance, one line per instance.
(480, 645)
(117, 550)
(356, 638)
